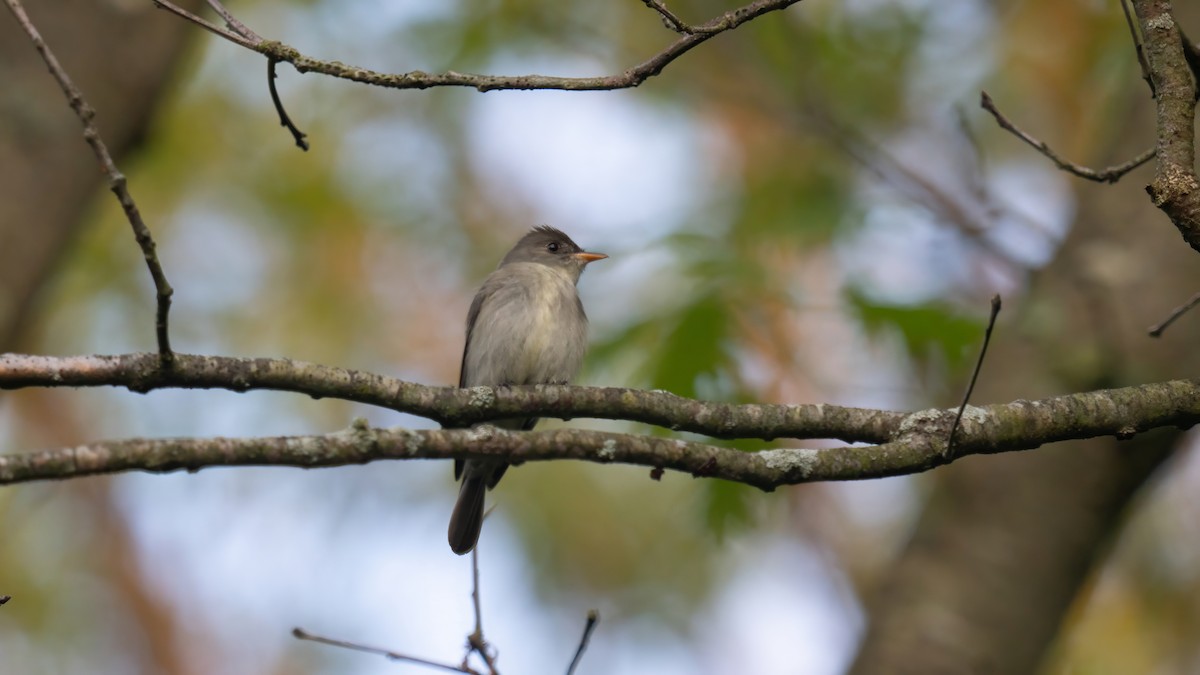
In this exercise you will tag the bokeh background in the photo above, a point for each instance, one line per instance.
(810, 208)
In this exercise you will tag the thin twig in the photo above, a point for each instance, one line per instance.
(475, 592)
(1157, 329)
(1110, 175)
(475, 641)
(1137, 46)
(628, 78)
(670, 20)
(116, 180)
(987, 337)
(232, 23)
(301, 634)
(207, 25)
(284, 120)
(593, 618)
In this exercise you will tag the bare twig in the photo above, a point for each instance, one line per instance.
(987, 337)
(301, 634)
(284, 120)
(1157, 329)
(116, 180)
(232, 23)
(631, 77)
(593, 618)
(475, 641)
(670, 20)
(1137, 46)
(475, 592)
(1110, 175)
(207, 25)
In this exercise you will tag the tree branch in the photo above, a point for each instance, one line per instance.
(631, 77)
(450, 406)
(918, 443)
(116, 180)
(1175, 188)
(1111, 174)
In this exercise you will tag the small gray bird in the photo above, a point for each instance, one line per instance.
(526, 326)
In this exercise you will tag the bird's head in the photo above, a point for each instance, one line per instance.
(545, 245)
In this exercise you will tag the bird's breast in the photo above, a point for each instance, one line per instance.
(532, 330)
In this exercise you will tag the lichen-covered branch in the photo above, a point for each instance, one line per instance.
(1175, 188)
(450, 406)
(916, 442)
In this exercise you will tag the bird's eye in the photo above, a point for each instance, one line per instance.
(552, 247)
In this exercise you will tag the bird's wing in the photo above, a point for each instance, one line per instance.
(472, 315)
(476, 306)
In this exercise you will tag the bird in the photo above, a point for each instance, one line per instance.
(526, 325)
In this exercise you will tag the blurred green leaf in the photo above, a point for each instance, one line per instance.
(794, 204)
(694, 346)
(927, 329)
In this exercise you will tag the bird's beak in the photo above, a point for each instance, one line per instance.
(589, 257)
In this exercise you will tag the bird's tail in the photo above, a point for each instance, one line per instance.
(467, 519)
